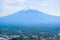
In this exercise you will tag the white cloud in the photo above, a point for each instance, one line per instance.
(51, 7)
(6, 7)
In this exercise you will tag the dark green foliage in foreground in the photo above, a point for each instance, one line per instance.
(27, 31)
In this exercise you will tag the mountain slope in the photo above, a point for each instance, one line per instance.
(31, 17)
(38, 21)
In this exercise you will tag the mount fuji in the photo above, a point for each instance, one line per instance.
(30, 16)
(34, 19)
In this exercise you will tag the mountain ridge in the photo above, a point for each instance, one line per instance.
(28, 20)
(30, 16)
